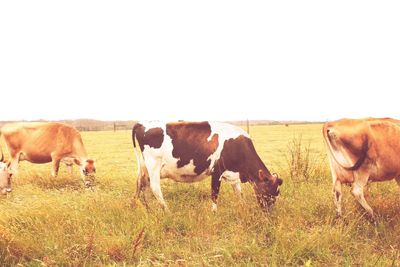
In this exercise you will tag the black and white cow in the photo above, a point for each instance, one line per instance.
(191, 151)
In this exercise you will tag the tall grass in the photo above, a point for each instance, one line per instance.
(58, 222)
(302, 163)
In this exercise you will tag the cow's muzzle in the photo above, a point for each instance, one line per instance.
(88, 180)
(266, 201)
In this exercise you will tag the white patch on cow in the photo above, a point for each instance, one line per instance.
(230, 177)
(152, 124)
(184, 174)
(233, 178)
(226, 131)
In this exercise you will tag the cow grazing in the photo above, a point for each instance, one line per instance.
(362, 151)
(191, 151)
(5, 176)
(42, 142)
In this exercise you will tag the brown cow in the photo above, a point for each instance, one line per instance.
(362, 151)
(43, 142)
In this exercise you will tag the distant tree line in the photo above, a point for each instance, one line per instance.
(98, 125)
(92, 125)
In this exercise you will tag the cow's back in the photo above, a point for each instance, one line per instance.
(37, 141)
(187, 149)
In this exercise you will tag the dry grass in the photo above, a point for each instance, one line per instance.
(53, 222)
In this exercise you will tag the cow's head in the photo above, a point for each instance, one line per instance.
(266, 188)
(5, 177)
(88, 170)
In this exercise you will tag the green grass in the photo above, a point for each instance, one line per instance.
(56, 221)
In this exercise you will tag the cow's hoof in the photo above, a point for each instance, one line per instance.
(214, 207)
(338, 216)
(372, 219)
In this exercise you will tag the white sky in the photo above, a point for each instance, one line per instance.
(193, 60)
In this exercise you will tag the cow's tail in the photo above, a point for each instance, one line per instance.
(340, 154)
(142, 173)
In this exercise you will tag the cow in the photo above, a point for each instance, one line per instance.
(362, 151)
(5, 176)
(191, 151)
(43, 142)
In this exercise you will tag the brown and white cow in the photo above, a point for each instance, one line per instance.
(362, 151)
(191, 151)
(43, 142)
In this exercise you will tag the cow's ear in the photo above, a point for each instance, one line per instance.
(262, 175)
(77, 162)
(8, 163)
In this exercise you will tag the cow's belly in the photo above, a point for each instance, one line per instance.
(187, 178)
(380, 169)
(184, 174)
(36, 158)
(384, 174)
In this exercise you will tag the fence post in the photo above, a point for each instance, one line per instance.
(114, 127)
(248, 127)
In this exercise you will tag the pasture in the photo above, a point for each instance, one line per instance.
(49, 221)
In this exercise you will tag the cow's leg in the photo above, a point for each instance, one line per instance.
(142, 179)
(15, 158)
(336, 189)
(237, 189)
(69, 167)
(215, 185)
(142, 184)
(68, 163)
(398, 180)
(337, 197)
(56, 166)
(234, 179)
(358, 192)
(139, 186)
(154, 169)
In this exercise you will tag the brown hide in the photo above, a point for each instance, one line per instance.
(190, 142)
(40, 142)
(347, 142)
(371, 145)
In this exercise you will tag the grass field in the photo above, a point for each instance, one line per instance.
(56, 221)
